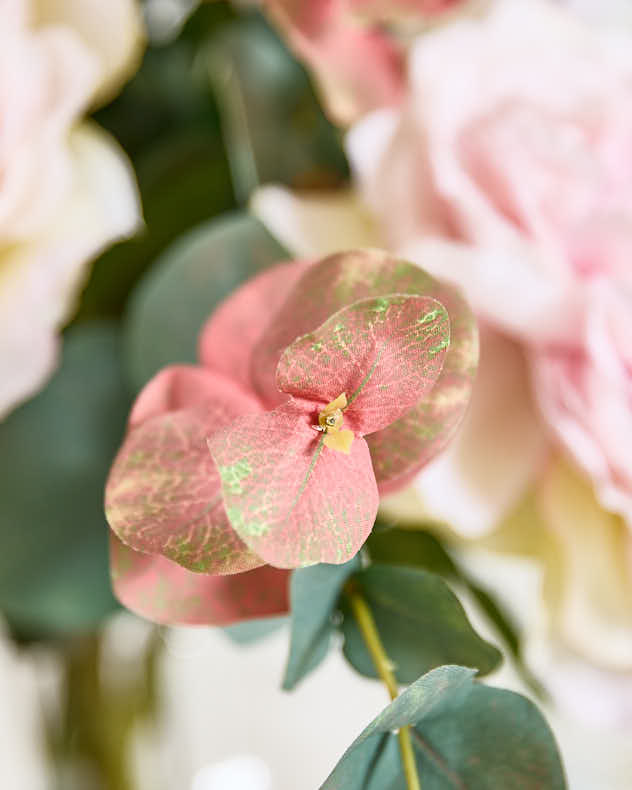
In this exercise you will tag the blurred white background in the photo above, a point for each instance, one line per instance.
(226, 725)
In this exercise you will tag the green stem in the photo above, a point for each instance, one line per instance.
(384, 667)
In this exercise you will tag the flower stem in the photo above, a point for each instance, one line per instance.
(384, 668)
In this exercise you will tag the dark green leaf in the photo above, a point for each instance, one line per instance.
(55, 453)
(421, 549)
(314, 594)
(415, 548)
(466, 736)
(273, 125)
(420, 621)
(175, 298)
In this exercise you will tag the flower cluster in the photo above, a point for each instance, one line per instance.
(256, 461)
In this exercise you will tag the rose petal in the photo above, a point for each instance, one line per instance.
(231, 333)
(385, 353)
(163, 592)
(163, 494)
(292, 500)
(498, 452)
(359, 68)
(113, 31)
(39, 278)
(315, 224)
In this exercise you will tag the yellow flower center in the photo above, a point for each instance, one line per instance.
(330, 422)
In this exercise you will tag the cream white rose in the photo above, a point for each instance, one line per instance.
(66, 189)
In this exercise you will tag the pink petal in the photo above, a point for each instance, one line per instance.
(292, 500)
(329, 285)
(385, 353)
(183, 386)
(163, 592)
(230, 335)
(163, 493)
(359, 67)
(342, 279)
(402, 449)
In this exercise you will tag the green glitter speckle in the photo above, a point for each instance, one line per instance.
(233, 475)
(425, 319)
(439, 347)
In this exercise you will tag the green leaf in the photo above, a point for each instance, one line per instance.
(314, 594)
(466, 736)
(55, 452)
(173, 301)
(421, 549)
(273, 125)
(420, 621)
(415, 548)
(251, 631)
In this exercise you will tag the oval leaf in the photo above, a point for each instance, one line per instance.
(173, 301)
(465, 736)
(314, 594)
(420, 621)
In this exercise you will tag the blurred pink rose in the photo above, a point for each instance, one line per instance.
(66, 190)
(514, 146)
(353, 46)
(585, 393)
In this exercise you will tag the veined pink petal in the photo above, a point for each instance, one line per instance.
(158, 589)
(294, 501)
(163, 493)
(184, 386)
(385, 353)
(403, 448)
(230, 335)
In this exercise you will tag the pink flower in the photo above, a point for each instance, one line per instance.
(357, 344)
(523, 165)
(358, 61)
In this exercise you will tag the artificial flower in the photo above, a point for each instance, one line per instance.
(530, 524)
(257, 457)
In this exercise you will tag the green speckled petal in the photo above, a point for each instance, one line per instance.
(384, 353)
(292, 500)
(403, 448)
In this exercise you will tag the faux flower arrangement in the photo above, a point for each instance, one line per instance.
(254, 462)
(256, 458)
(322, 447)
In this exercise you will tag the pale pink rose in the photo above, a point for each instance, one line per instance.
(514, 146)
(66, 190)
(586, 395)
(355, 47)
